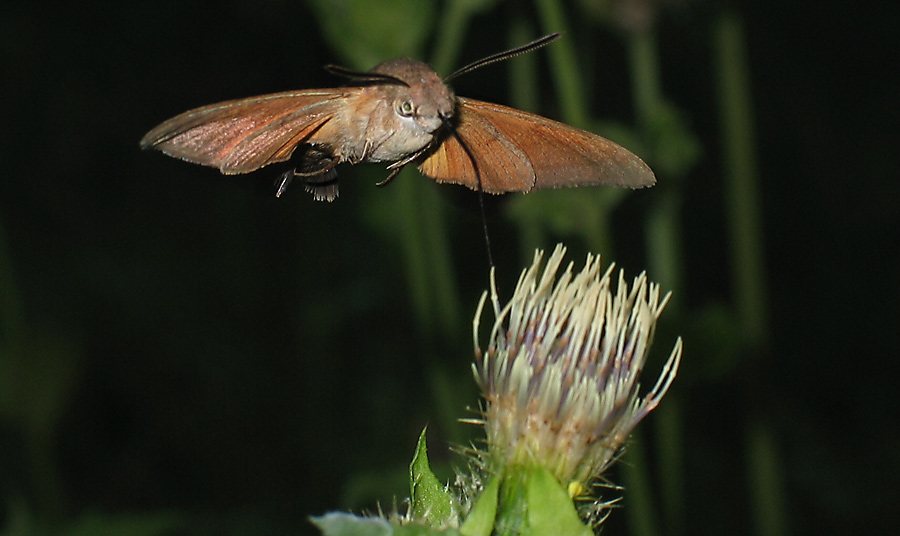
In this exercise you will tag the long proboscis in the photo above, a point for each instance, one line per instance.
(484, 226)
(500, 56)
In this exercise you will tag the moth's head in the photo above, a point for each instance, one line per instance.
(422, 97)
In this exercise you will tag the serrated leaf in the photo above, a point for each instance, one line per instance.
(480, 521)
(431, 502)
(551, 511)
(343, 524)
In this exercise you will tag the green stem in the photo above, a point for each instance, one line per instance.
(524, 84)
(644, 63)
(640, 510)
(440, 257)
(597, 231)
(523, 73)
(450, 35)
(414, 239)
(512, 505)
(665, 250)
(564, 64)
(434, 290)
(766, 483)
(573, 103)
(742, 203)
(665, 261)
(669, 424)
(38, 432)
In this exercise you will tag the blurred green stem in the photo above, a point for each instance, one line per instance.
(669, 426)
(429, 258)
(665, 260)
(564, 64)
(22, 401)
(640, 510)
(665, 253)
(742, 203)
(644, 63)
(524, 84)
(435, 293)
(664, 233)
(573, 103)
(523, 72)
(413, 228)
(451, 34)
(741, 177)
(766, 483)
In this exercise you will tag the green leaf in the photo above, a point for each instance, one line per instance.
(551, 511)
(341, 524)
(676, 149)
(421, 530)
(481, 518)
(364, 33)
(431, 502)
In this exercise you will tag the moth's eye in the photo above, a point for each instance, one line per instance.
(406, 108)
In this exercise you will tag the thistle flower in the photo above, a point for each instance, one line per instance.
(560, 375)
(560, 380)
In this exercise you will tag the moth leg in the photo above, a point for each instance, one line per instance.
(394, 172)
(318, 169)
(323, 184)
(283, 181)
(398, 166)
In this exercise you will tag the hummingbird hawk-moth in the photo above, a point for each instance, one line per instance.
(399, 112)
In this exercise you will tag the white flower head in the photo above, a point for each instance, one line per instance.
(560, 375)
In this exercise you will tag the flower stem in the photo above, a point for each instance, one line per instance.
(513, 503)
(741, 178)
(564, 65)
(664, 252)
(747, 263)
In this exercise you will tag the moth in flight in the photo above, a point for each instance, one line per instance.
(399, 112)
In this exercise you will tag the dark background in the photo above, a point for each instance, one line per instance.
(178, 343)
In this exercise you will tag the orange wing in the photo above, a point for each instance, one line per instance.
(244, 135)
(515, 151)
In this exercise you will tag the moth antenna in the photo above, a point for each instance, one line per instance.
(500, 56)
(364, 77)
(484, 225)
